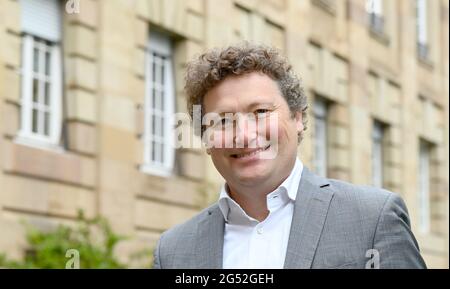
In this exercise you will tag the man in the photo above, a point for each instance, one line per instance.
(273, 212)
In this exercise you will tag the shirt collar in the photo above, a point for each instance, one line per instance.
(289, 185)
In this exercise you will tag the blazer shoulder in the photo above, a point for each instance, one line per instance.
(179, 240)
(349, 194)
(365, 198)
(188, 227)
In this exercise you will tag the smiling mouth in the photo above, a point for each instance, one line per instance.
(249, 154)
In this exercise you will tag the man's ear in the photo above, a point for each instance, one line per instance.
(299, 121)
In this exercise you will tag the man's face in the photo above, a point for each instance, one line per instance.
(255, 156)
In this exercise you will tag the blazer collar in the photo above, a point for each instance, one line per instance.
(311, 207)
(209, 243)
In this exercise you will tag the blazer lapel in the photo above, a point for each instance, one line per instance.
(310, 211)
(210, 233)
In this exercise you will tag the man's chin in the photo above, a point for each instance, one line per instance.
(251, 177)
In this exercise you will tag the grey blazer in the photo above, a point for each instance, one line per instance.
(335, 225)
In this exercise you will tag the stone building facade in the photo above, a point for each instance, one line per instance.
(84, 85)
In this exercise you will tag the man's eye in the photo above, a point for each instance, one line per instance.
(261, 112)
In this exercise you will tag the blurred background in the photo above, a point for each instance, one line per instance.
(87, 88)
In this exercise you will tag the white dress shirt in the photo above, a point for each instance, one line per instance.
(249, 243)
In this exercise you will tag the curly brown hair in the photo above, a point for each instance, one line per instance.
(211, 67)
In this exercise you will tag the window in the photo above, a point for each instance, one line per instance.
(377, 154)
(275, 35)
(320, 137)
(424, 186)
(41, 72)
(159, 106)
(244, 29)
(376, 20)
(422, 29)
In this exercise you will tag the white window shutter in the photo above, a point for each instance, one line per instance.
(160, 43)
(41, 18)
(378, 7)
(56, 95)
(422, 21)
(374, 6)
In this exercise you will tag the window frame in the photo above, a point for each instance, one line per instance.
(159, 47)
(41, 88)
(375, 11)
(26, 133)
(424, 187)
(320, 111)
(377, 157)
(244, 29)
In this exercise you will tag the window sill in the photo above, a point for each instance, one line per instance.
(155, 171)
(379, 36)
(38, 144)
(425, 62)
(47, 162)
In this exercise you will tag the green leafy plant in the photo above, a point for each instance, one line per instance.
(93, 239)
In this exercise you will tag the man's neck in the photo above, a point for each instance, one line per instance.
(253, 203)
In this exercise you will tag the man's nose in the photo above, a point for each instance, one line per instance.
(245, 131)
